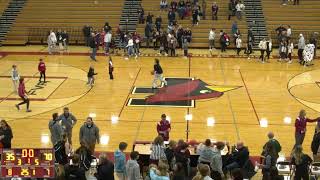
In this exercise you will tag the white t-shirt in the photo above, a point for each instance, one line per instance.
(212, 35)
(238, 43)
(240, 7)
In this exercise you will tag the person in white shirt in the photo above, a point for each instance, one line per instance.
(52, 40)
(238, 44)
(289, 31)
(130, 47)
(107, 41)
(212, 36)
(239, 8)
(15, 78)
(290, 50)
(263, 47)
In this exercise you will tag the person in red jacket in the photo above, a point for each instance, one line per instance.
(42, 70)
(301, 127)
(164, 127)
(23, 95)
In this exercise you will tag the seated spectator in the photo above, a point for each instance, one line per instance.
(85, 156)
(205, 152)
(214, 9)
(171, 16)
(105, 169)
(141, 14)
(160, 172)
(149, 18)
(181, 9)
(74, 171)
(232, 8)
(120, 161)
(5, 134)
(169, 151)
(158, 23)
(157, 150)
(216, 162)
(178, 172)
(163, 4)
(132, 167)
(301, 162)
(182, 155)
(203, 172)
(195, 14)
(238, 157)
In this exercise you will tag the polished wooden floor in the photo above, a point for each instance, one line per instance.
(269, 91)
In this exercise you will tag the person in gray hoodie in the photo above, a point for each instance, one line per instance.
(89, 134)
(67, 121)
(55, 129)
(132, 167)
(206, 152)
(301, 45)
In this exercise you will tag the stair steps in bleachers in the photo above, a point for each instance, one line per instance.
(129, 18)
(256, 20)
(8, 17)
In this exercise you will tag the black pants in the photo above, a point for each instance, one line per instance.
(238, 51)
(300, 51)
(289, 56)
(25, 101)
(262, 55)
(172, 52)
(268, 54)
(215, 175)
(42, 74)
(110, 74)
(185, 52)
(223, 47)
(296, 2)
(301, 176)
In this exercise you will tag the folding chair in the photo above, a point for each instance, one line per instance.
(315, 170)
(285, 169)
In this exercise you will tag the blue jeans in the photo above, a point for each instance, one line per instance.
(93, 54)
(232, 166)
(130, 50)
(107, 47)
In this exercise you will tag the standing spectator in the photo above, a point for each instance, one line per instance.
(149, 18)
(314, 40)
(269, 162)
(15, 78)
(216, 163)
(148, 33)
(105, 169)
(158, 23)
(238, 45)
(5, 134)
(185, 45)
(181, 9)
(171, 16)
(223, 41)
(301, 45)
(93, 46)
(179, 36)
(289, 32)
(204, 8)
(89, 134)
(172, 42)
(235, 31)
(163, 5)
(301, 127)
(111, 68)
(132, 167)
(91, 75)
(163, 44)
(263, 47)
(65, 40)
(290, 50)
(155, 38)
(315, 144)
(141, 14)
(87, 34)
(68, 120)
(52, 40)
(120, 161)
(130, 47)
(136, 43)
(74, 171)
(195, 14)
(59, 39)
(239, 8)
(275, 144)
(157, 150)
(301, 162)
(107, 27)
(212, 36)
(164, 128)
(182, 155)
(169, 151)
(42, 70)
(232, 9)
(214, 9)
(55, 129)
(23, 95)
(107, 41)
(269, 48)
(283, 50)
(158, 74)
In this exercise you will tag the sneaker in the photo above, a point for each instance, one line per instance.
(17, 106)
(290, 62)
(28, 110)
(126, 58)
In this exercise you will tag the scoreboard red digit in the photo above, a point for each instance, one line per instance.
(34, 163)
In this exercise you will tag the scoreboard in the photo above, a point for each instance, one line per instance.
(31, 163)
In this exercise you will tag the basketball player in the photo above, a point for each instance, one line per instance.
(110, 68)
(23, 95)
(42, 70)
(157, 72)
(164, 127)
(15, 78)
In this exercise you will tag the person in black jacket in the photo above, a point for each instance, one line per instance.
(5, 134)
(169, 151)
(301, 162)
(315, 145)
(73, 171)
(158, 74)
(91, 75)
(93, 46)
(65, 40)
(86, 33)
(105, 170)
(239, 157)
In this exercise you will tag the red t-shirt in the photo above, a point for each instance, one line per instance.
(163, 129)
(21, 90)
(42, 67)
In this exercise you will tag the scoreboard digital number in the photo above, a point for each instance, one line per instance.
(32, 163)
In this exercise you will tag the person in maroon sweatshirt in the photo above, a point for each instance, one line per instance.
(42, 70)
(301, 127)
(164, 127)
(23, 95)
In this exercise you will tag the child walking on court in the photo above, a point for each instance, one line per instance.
(15, 78)
(91, 75)
(110, 68)
(23, 95)
(158, 74)
(238, 45)
(290, 50)
(42, 70)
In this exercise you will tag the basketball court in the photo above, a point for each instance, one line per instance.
(231, 98)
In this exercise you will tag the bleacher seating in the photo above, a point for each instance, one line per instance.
(200, 33)
(303, 18)
(3, 5)
(39, 16)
